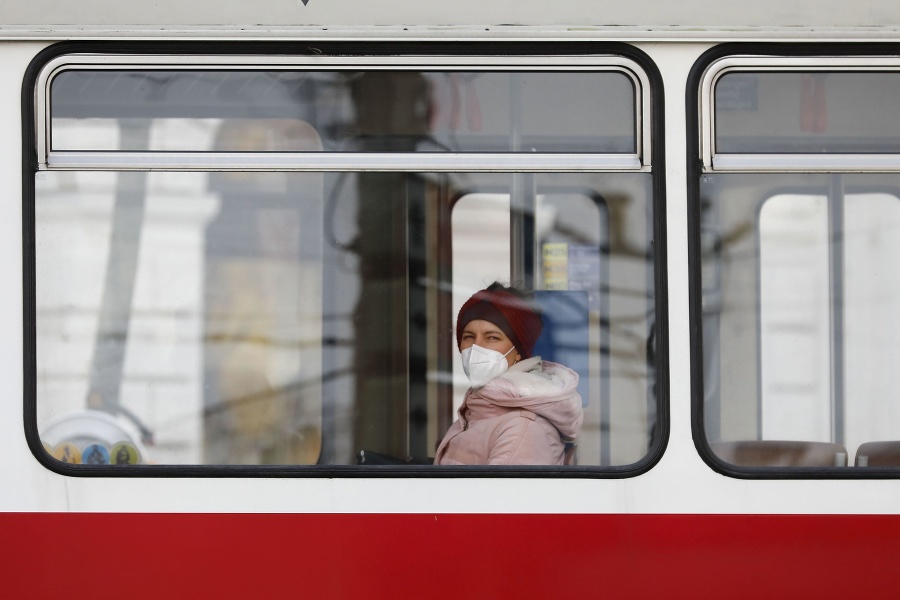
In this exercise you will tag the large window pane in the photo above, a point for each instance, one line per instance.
(298, 318)
(800, 330)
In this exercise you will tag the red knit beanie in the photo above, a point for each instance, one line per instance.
(515, 316)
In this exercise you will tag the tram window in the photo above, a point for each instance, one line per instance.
(193, 309)
(798, 215)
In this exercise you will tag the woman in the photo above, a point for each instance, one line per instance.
(520, 410)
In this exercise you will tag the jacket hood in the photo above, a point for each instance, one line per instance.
(545, 388)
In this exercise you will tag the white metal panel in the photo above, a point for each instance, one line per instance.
(573, 13)
(24, 487)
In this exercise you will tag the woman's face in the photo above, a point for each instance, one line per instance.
(487, 335)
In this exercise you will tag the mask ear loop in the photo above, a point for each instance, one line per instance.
(518, 356)
(510, 350)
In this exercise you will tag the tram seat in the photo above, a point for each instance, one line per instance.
(781, 453)
(878, 454)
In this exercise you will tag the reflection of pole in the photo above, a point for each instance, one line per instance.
(121, 272)
(521, 200)
(836, 290)
(389, 120)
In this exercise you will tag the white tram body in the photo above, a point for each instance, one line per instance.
(236, 235)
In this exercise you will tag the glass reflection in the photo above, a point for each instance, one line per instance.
(801, 337)
(298, 318)
(362, 111)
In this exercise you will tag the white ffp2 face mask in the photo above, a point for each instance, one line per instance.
(481, 364)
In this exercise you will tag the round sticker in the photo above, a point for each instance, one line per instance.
(95, 454)
(124, 454)
(67, 452)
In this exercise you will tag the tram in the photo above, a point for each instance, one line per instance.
(236, 237)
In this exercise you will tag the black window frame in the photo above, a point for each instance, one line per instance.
(695, 171)
(659, 354)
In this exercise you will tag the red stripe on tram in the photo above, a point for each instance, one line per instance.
(447, 556)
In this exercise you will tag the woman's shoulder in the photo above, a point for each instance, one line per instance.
(537, 373)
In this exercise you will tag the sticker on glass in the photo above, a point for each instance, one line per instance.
(95, 454)
(124, 454)
(67, 452)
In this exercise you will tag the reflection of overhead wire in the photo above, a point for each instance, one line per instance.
(330, 211)
(95, 402)
(146, 433)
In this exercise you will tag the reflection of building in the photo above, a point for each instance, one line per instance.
(145, 354)
(263, 304)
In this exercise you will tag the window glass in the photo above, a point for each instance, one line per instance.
(262, 316)
(807, 112)
(803, 334)
(267, 318)
(362, 111)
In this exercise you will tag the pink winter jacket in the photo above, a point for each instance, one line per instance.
(519, 418)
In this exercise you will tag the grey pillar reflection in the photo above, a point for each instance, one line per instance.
(522, 200)
(108, 361)
(391, 111)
